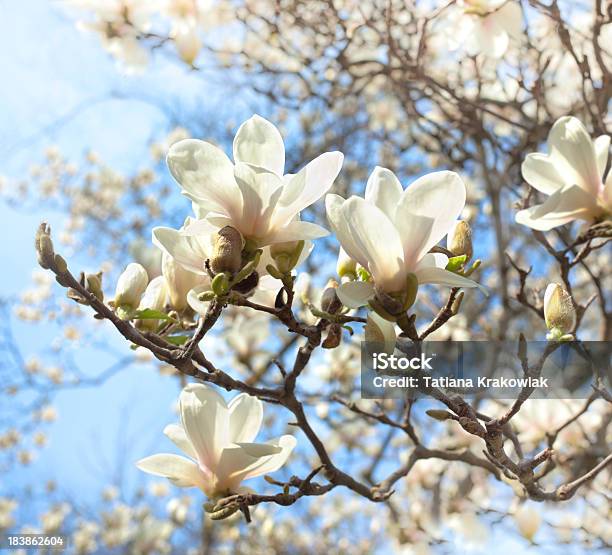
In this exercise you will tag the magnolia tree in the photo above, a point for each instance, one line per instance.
(296, 250)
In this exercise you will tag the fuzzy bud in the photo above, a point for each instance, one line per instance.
(93, 284)
(227, 253)
(130, 286)
(330, 302)
(559, 311)
(437, 414)
(44, 246)
(459, 240)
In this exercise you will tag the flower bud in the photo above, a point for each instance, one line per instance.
(93, 284)
(559, 311)
(179, 282)
(44, 246)
(227, 253)
(440, 415)
(286, 255)
(528, 521)
(130, 286)
(220, 284)
(155, 297)
(188, 43)
(330, 302)
(459, 239)
(381, 332)
(346, 266)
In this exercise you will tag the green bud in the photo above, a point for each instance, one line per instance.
(440, 415)
(206, 296)
(93, 284)
(274, 272)
(220, 284)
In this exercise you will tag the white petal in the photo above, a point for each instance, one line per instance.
(245, 418)
(295, 231)
(260, 191)
(308, 185)
(378, 240)
(573, 153)
(260, 449)
(433, 259)
(258, 142)
(510, 17)
(200, 307)
(427, 211)
(541, 173)
(206, 175)
(381, 332)
(205, 419)
(565, 205)
(339, 225)
(384, 190)
(444, 277)
(354, 294)
(491, 38)
(602, 149)
(181, 471)
(177, 435)
(274, 462)
(607, 192)
(189, 253)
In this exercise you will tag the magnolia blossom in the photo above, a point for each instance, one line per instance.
(218, 439)
(131, 285)
(252, 194)
(391, 232)
(572, 174)
(528, 521)
(119, 23)
(487, 26)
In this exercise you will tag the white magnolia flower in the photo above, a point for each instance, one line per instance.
(252, 194)
(572, 174)
(391, 231)
(528, 520)
(218, 439)
(188, 251)
(131, 285)
(487, 26)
